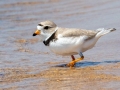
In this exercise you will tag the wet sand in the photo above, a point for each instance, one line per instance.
(95, 77)
(25, 63)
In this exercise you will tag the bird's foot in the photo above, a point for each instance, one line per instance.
(73, 62)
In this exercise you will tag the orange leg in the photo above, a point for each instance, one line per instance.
(73, 62)
(73, 58)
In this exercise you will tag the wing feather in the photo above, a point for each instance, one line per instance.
(66, 32)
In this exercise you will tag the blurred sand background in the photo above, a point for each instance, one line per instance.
(26, 64)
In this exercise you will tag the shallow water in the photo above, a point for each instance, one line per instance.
(21, 53)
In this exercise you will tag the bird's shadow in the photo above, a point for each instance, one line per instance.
(89, 63)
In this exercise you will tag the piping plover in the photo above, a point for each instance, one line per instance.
(69, 41)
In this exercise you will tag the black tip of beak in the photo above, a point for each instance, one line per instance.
(34, 34)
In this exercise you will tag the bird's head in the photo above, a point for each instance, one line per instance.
(45, 29)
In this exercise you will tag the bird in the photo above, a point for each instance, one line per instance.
(69, 41)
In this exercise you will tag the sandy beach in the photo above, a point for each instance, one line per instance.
(26, 64)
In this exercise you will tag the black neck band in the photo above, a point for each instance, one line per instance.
(51, 38)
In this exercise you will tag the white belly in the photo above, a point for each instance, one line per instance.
(65, 46)
(71, 46)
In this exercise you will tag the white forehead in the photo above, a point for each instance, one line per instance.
(39, 27)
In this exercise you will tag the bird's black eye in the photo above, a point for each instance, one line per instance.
(46, 27)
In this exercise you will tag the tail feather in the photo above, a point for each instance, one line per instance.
(103, 31)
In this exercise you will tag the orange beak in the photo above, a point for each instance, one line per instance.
(37, 32)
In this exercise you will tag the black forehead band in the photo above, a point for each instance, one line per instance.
(40, 24)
